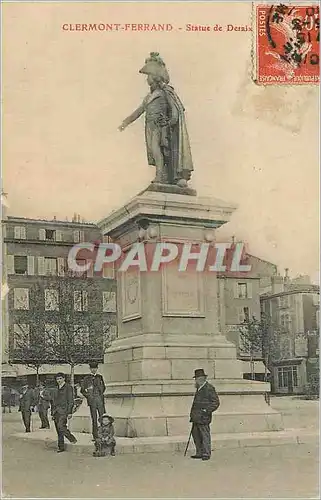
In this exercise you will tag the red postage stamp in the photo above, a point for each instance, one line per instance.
(287, 44)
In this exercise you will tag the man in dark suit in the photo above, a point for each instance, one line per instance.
(206, 401)
(43, 398)
(61, 409)
(26, 404)
(93, 388)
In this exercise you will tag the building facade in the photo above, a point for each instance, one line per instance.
(239, 301)
(43, 291)
(293, 315)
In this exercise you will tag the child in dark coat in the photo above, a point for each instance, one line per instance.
(105, 442)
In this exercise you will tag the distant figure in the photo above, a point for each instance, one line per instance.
(26, 404)
(6, 398)
(105, 442)
(206, 401)
(43, 398)
(61, 410)
(93, 388)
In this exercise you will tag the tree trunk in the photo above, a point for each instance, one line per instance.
(266, 367)
(37, 375)
(72, 375)
(252, 368)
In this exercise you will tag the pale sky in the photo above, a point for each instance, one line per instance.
(65, 94)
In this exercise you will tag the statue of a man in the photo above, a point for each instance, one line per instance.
(167, 141)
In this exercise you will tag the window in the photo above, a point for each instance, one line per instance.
(242, 290)
(109, 301)
(288, 377)
(20, 233)
(80, 300)
(50, 266)
(51, 300)
(51, 334)
(109, 331)
(284, 301)
(81, 335)
(79, 236)
(20, 264)
(82, 273)
(21, 336)
(21, 298)
(50, 234)
(243, 314)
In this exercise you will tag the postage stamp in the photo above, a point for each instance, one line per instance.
(287, 44)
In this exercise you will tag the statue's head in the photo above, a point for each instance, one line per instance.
(155, 70)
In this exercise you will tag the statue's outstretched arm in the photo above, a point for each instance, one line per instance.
(131, 118)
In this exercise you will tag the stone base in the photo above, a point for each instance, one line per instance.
(175, 444)
(170, 188)
(150, 388)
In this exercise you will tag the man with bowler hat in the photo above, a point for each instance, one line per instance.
(93, 388)
(206, 401)
(26, 404)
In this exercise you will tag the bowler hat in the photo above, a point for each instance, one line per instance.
(199, 373)
(93, 365)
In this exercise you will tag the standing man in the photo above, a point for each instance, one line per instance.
(26, 404)
(43, 403)
(61, 410)
(93, 388)
(206, 401)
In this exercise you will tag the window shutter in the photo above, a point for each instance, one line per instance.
(61, 266)
(10, 264)
(17, 232)
(31, 265)
(85, 300)
(241, 315)
(58, 235)
(42, 234)
(90, 272)
(236, 290)
(76, 236)
(81, 236)
(23, 233)
(77, 300)
(249, 289)
(41, 266)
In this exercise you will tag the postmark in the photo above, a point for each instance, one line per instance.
(287, 44)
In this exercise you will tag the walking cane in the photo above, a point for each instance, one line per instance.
(189, 438)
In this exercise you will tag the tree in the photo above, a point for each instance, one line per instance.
(69, 324)
(28, 349)
(251, 341)
(260, 338)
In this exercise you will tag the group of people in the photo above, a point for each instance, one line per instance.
(63, 404)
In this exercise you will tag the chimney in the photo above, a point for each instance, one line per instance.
(286, 278)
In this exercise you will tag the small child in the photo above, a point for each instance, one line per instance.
(105, 443)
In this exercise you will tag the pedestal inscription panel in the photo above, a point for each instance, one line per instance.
(182, 293)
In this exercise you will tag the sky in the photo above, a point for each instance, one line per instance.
(65, 93)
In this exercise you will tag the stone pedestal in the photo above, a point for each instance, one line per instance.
(168, 325)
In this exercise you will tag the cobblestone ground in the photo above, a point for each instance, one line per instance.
(265, 472)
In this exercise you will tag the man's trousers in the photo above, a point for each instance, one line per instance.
(63, 431)
(97, 409)
(202, 438)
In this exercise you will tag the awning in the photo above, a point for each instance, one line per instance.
(259, 367)
(8, 371)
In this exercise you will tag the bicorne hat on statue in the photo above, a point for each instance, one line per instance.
(155, 66)
(199, 373)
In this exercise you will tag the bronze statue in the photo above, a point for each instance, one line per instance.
(167, 141)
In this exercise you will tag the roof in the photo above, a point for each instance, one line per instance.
(26, 220)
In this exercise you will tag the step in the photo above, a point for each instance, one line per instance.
(175, 443)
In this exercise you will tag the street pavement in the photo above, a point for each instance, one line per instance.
(288, 471)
